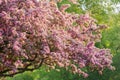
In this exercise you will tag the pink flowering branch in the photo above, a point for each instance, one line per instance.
(35, 33)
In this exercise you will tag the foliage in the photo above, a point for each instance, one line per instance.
(34, 33)
(41, 74)
(110, 39)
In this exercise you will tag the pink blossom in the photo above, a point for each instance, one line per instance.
(38, 32)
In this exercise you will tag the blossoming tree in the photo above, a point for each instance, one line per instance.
(35, 33)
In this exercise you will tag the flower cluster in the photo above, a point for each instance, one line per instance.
(33, 33)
